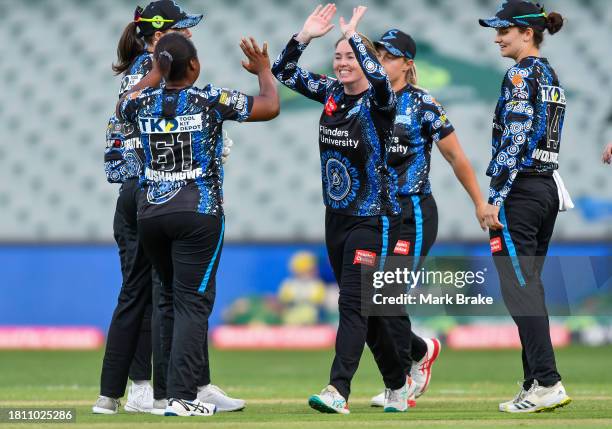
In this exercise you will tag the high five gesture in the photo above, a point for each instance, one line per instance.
(318, 23)
(350, 28)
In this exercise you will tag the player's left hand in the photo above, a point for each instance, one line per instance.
(350, 28)
(607, 155)
(491, 217)
(227, 144)
(259, 61)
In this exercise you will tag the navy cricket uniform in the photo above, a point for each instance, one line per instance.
(420, 123)
(180, 213)
(130, 339)
(359, 192)
(526, 138)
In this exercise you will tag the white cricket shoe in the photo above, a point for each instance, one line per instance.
(421, 370)
(398, 401)
(540, 398)
(379, 400)
(139, 399)
(329, 401)
(159, 407)
(213, 395)
(518, 398)
(106, 405)
(183, 408)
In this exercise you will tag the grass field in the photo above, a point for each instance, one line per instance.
(466, 387)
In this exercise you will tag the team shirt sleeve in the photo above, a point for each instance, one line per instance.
(519, 91)
(434, 120)
(128, 109)
(383, 94)
(286, 70)
(231, 105)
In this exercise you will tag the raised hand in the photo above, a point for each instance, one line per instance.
(318, 23)
(350, 28)
(259, 60)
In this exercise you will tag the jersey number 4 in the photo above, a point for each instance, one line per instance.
(171, 152)
(554, 113)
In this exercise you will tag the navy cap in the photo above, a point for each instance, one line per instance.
(519, 13)
(398, 43)
(162, 15)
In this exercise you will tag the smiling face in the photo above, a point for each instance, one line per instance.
(512, 42)
(346, 67)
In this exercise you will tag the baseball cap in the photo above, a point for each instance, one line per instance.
(162, 15)
(398, 43)
(519, 13)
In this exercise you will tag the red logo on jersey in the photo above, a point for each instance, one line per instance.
(364, 257)
(330, 106)
(402, 247)
(496, 245)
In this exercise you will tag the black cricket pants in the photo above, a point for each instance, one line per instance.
(130, 338)
(184, 249)
(418, 232)
(355, 244)
(528, 215)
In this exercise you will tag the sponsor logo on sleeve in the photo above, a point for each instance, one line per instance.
(553, 94)
(180, 124)
(129, 81)
(402, 247)
(496, 245)
(364, 257)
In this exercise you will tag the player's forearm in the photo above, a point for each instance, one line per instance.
(266, 104)
(374, 72)
(465, 174)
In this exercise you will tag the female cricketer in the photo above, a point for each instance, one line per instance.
(523, 194)
(124, 163)
(420, 122)
(359, 191)
(180, 214)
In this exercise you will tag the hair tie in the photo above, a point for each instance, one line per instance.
(166, 54)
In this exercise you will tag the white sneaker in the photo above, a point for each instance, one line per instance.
(329, 401)
(139, 399)
(421, 370)
(540, 398)
(106, 405)
(398, 401)
(213, 395)
(183, 408)
(159, 407)
(379, 400)
(518, 398)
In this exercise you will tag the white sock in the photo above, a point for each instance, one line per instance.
(141, 382)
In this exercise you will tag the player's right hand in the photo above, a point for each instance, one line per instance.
(259, 60)
(318, 23)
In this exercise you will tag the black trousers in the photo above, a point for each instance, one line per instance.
(418, 232)
(355, 244)
(184, 249)
(519, 250)
(130, 339)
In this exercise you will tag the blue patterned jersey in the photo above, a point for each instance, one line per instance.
(181, 133)
(419, 123)
(354, 131)
(527, 125)
(124, 156)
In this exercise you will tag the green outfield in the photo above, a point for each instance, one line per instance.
(466, 387)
